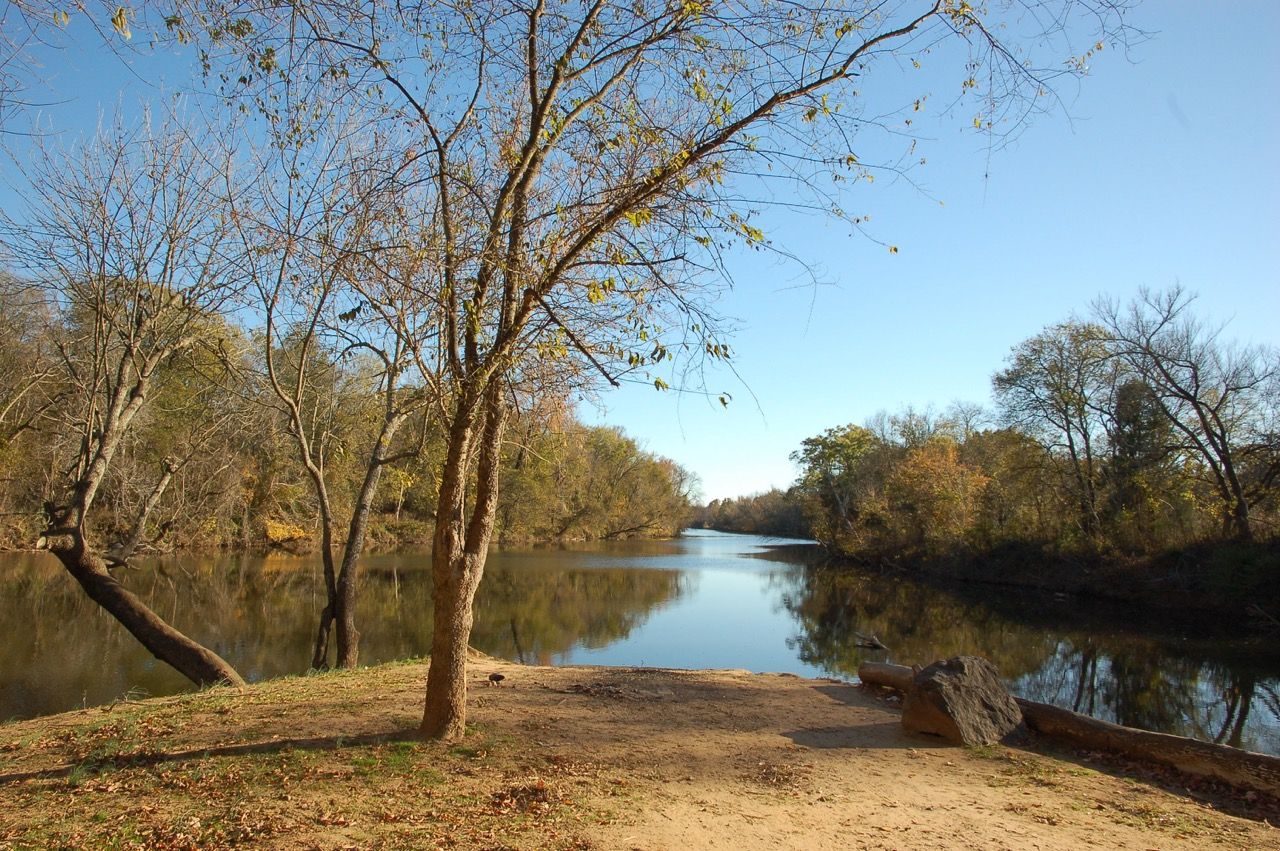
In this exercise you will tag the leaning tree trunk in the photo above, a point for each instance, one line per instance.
(190, 658)
(457, 565)
(344, 600)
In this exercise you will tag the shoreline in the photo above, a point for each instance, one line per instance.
(575, 757)
(1168, 583)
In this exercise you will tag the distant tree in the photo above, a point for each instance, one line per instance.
(934, 498)
(775, 512)
(126, 238)
(27, 365)
(1139, 471)
(1217, 396)
(842, 471)
(964, 419)
(567, 481)
(1022, 500)
(1057, 387)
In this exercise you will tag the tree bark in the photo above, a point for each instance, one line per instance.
(191, 659)
(344, 609)
(458, 559)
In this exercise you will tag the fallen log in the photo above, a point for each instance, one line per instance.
(1191, 756)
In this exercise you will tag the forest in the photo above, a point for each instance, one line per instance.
(1136, 435)
(212, 463)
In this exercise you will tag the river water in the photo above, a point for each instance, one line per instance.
(706, 600)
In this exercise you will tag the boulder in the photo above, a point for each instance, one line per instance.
(962, 700)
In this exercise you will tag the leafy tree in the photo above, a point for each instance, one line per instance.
(1057, 387)
(934, 498)
(1141, 473)
(575, 168)
(774, 512)
(1021, 501)
(842, 472)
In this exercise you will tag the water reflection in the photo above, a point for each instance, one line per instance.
(1168, 677)
(259, 614)
(701, 601)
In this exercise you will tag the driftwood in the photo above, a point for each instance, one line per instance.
(1190, 756)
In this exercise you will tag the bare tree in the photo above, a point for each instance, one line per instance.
(1215, 394)
(320, 247)
(124, 237)
(27, 365)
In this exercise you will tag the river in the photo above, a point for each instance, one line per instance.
(705, 600)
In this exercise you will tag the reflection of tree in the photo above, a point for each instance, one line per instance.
(919, 624)
(1211, 691)
(1147, 689)
(1237, 700)
(259, 613)
(534, 615)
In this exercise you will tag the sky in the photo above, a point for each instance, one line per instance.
(1161, 169)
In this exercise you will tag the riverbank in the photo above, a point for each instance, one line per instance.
(1233, 580)
(571, 758)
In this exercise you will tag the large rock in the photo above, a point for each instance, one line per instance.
(962, 700)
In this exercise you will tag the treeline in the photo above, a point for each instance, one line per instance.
(776, 513)
(1136, 431)
(212, 462)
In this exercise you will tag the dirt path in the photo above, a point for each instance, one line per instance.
(571, 758)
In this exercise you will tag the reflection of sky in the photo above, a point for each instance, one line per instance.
(727, 616)
(730, 614)
(725, 619)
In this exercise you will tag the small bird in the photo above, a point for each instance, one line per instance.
(496, 679)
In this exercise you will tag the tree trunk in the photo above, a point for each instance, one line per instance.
(191, 659)
(320, 651)
(457, 563)
(445, 714)
(1240, 518)
(320, 654)
(344, 601)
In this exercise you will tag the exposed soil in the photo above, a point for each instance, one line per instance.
(570, 758)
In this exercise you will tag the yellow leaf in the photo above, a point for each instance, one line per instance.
(120, 20)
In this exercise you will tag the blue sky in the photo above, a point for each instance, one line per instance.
(1163, 170)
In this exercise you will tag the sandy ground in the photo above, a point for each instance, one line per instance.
(571, 758)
